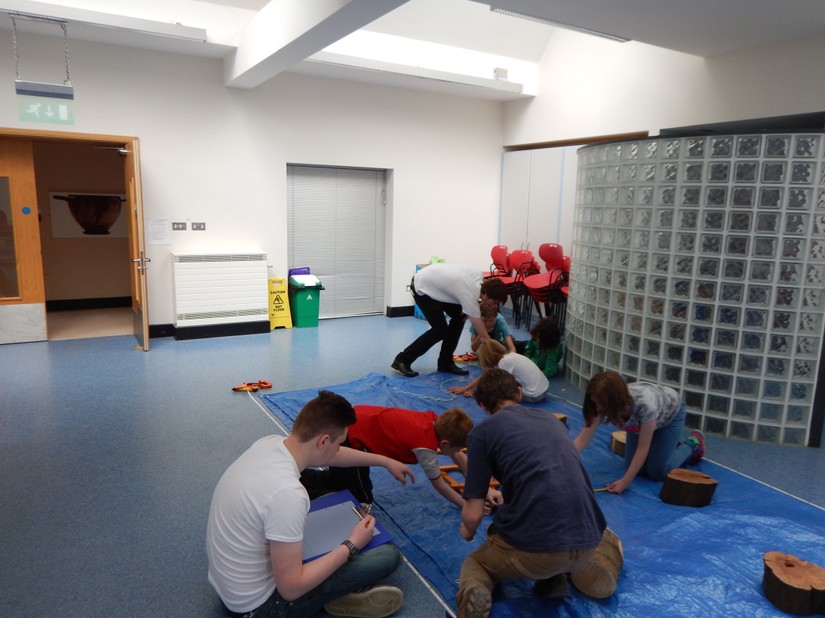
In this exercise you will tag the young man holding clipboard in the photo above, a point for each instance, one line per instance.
(255, 532)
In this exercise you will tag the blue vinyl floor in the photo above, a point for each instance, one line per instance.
(108, 459)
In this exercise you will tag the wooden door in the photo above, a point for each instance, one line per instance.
(23, 295)
(137, 250)
(17, 170)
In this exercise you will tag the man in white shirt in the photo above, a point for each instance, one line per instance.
(255, 532)
(448, 291)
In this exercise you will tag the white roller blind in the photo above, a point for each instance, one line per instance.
(336, 219)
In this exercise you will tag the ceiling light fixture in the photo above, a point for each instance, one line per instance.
(559, 24)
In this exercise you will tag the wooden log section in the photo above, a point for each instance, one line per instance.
(684, 487)
(795, 586)
(448, 473)
(599, 577)
(618, 441)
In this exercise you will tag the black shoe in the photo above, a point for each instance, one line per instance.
(453, 368)
(403, 368)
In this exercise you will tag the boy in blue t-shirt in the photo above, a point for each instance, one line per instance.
(497, 329)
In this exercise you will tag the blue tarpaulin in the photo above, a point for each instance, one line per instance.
(678, 561)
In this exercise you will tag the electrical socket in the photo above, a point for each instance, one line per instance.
(179, 225)
(198, 227)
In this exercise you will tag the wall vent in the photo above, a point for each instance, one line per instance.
(220, 288)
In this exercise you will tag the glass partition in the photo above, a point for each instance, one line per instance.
(699, 263)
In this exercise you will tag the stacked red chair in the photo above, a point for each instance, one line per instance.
(500, 266)
(523, 265)
(549, 288)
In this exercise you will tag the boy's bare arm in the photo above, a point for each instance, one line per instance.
(450, 494)
(508, 343)
(460, 459)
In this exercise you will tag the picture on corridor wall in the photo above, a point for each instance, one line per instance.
(87, 215)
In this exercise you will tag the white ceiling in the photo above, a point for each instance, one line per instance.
(699, 27)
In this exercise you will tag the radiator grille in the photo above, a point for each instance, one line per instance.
(220, 288)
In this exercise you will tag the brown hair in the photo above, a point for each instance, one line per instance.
(546, 333)
(488, 311)
(490, 352)
(453, 425)
(495, 386)
(495, 289)
(611, 389)
(327, 413)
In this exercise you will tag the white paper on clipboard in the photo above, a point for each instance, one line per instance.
(326, 528)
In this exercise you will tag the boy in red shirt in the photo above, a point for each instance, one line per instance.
(409, 436)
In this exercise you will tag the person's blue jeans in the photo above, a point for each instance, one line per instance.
(362, 571)
(666, 451)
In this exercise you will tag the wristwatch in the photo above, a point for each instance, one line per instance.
(353, 550)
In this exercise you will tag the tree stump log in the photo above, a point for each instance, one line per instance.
(795, 586)
(618, 441)
(599, 577)
(684, 487)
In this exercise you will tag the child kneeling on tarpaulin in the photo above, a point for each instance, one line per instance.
(534, 383)
(409, 436)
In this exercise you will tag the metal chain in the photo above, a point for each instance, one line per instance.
(14, 38)
(68, 81)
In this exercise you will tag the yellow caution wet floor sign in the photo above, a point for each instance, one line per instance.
(279, 315)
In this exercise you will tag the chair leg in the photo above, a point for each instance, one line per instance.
(528, 311)
(517, 309)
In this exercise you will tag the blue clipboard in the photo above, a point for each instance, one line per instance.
(330, 520)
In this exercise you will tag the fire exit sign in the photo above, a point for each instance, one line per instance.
(46, 110)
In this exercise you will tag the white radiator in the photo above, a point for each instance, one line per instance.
(224, 288)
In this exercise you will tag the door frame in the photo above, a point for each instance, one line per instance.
(129, 148)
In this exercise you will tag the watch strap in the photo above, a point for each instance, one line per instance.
(353, 550)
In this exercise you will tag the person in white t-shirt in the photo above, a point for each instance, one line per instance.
(533, 382)
(444, 291)
(255, 531)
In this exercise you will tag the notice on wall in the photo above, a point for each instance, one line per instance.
(157, 232)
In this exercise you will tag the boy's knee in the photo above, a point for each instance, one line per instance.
(388, 555)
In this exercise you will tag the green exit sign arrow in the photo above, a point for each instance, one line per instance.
(46, 110)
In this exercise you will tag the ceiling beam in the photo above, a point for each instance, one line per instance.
(285, 32)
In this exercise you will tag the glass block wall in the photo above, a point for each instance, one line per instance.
(699, 262)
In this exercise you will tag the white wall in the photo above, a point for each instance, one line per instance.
(538, 198)
(219, 155)
(591, 86)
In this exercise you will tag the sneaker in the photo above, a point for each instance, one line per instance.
(697, 441)
(373, 602)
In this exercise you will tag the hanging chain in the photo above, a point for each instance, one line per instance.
(68, 81)
(14, 38)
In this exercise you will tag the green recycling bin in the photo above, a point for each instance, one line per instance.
(304, 300)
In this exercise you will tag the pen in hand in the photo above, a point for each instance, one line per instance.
(357, 512)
